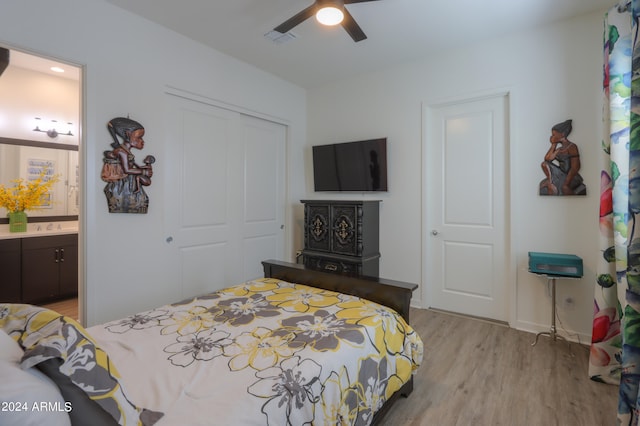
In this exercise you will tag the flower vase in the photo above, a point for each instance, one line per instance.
(17, 222)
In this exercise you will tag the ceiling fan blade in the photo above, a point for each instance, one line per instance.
(357, 1)
(352, 27)
(297, 19)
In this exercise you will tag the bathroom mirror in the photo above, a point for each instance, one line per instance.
(26, 159)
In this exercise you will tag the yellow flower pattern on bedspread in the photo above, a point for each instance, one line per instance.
(266, 352)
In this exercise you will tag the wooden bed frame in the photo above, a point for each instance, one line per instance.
(393, 294)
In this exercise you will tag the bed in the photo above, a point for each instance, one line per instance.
(297, 347)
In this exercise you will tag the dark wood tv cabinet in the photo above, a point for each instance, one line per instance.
(342, 236)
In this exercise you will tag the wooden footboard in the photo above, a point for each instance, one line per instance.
(393, 294)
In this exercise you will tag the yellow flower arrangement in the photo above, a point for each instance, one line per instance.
(26, 195)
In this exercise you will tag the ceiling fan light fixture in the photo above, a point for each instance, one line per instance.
(335, 13)
(329, 15)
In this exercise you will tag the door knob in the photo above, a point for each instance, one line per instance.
(169, 239)
(434, 232)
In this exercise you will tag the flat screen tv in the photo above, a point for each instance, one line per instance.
(351, 166)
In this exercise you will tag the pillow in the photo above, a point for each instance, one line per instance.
(77, 363)
(10, 350)
(27, 397)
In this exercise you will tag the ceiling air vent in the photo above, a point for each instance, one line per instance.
(279, 38)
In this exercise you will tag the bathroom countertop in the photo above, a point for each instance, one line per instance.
(41, 229)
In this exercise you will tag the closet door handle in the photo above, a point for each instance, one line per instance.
(57, 256)
(61, 255)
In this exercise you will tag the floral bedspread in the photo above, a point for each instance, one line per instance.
(264, 352)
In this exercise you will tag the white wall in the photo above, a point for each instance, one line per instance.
(26, 94)
(552, 74)
(128, 64)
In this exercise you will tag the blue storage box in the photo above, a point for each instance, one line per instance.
(566, 265)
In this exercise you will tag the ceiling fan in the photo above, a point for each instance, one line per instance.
(328, 12)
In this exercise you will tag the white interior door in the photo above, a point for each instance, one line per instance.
(264, 193)
(225, 194)
(466, 223)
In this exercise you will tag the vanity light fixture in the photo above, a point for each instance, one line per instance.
(330, 12)
(52, 132)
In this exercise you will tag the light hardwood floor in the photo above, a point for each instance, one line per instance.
(478, 373)
(67, 307)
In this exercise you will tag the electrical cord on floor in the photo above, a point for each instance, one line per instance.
(575, 335)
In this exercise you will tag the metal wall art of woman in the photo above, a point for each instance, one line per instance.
(126, 179)
(561, 164)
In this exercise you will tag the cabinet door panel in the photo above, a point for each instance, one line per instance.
(346, 229)
(69, 270)
(10, 270)
(39, 274)
(317, 227)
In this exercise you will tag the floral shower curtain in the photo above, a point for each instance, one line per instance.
(615, 348)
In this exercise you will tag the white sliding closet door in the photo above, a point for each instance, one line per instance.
(225, 194)
(264, 193)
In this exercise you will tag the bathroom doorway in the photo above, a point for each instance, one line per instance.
(40, 129)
